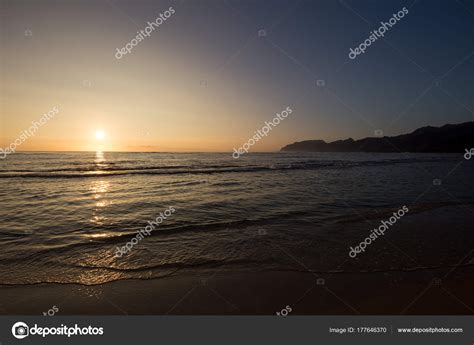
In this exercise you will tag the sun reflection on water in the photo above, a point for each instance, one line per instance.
(99, 157)
(99, 189)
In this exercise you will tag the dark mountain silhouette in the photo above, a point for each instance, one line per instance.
(448, 138)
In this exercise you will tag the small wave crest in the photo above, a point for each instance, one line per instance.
(101, 171)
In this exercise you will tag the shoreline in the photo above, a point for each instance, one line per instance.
(256, 293)
(382, 283)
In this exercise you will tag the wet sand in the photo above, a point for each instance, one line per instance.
(418, 292)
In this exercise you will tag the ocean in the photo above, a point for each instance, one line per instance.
(65, 214)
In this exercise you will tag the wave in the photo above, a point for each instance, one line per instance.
(211, 169)
(369, 213)
(105, 167)
(122, 238)
(269, 263)
(233, 267)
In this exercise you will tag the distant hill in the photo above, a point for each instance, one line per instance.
(448, 138)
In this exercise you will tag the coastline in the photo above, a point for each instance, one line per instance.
(258, 293)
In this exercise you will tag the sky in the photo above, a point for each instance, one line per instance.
(205, 80)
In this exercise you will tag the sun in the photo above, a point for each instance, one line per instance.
(100, 134)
